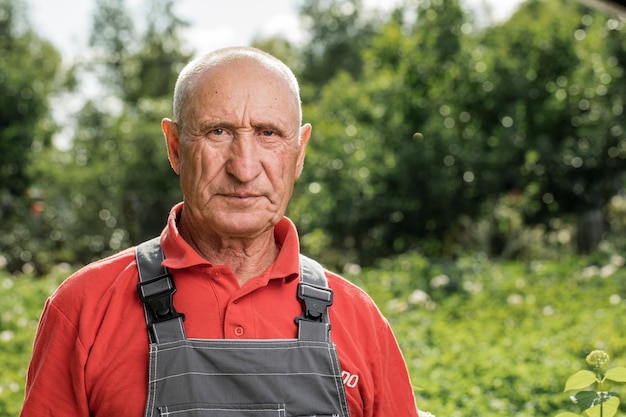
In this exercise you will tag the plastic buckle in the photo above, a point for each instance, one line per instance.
(157, 296)
(316, 301)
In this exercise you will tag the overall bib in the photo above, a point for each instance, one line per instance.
(239, 378)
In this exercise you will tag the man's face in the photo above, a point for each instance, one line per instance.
(240, 150)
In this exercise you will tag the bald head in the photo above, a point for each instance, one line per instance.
(193, 72)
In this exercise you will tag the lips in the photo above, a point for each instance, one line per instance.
(241, 199)
(241, 196)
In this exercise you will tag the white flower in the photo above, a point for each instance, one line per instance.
(425, 414)
(419, 297)
(440, 281)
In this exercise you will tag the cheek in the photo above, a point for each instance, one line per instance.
(190, 166)
(200, 167)
(284, 176)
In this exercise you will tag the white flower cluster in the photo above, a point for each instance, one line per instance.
(425, 414)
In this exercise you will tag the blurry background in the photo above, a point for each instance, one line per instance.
(467, 167)
(66, 23)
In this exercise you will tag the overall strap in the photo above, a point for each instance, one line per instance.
(316, 297)
(156, 288)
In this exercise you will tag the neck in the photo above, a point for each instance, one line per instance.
(247, 258)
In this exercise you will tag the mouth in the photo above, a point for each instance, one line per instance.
(241, 198)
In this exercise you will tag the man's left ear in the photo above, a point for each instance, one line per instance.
(305, 135)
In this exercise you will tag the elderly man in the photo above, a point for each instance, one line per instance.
(220, 315)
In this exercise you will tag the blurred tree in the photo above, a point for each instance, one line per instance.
(114, 186)
(146, 186)
(380, 189)
(549, 112)
(152, 71)
(512, 114)
(82, 213)
(597, 156)
(28, 70)
(113, 42)
(133, 65)
(338, 30)
(149, 185)
(29, 74)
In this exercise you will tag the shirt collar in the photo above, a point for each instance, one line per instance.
(180, 255)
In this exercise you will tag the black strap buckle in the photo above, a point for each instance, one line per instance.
(316, 300)
(157, 296)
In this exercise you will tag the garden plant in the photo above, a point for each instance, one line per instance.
(590, 386)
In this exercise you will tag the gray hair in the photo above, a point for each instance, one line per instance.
(190, 74)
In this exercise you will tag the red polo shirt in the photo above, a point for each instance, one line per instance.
(90, 355)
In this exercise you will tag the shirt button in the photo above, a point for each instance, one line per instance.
(239, 331)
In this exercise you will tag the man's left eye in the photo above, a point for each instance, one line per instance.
(267, 133)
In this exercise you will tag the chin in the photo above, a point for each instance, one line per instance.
(245, 226)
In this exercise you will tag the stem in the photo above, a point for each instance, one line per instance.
(600, 379)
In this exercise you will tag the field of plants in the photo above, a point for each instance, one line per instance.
(500, 339)
(481, 338)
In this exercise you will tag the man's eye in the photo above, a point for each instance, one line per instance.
(267, 133)
(218, 134)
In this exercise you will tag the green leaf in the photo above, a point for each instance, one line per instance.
(580, 380)
(567, 414)
(606, 409)
(587, 399)
(617, 374)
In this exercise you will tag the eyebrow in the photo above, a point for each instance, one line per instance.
(216, 123)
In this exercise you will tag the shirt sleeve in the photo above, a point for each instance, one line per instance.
(394, 391)
(55, 381)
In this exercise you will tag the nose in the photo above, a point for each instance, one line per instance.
(244, 160)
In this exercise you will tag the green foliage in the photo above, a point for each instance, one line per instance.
(338, 31)
(112, 189)
(114, 186)
(554, 113)
(376, 185)
(21, 301)
(498, 338)
(29, 72)
(525, 110)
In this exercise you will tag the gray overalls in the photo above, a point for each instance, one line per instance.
(239, 378)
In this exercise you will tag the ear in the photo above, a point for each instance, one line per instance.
(305, 135)
(172, 141)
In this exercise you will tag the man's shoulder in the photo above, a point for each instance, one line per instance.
(339, 283)
(99, 276)
(349, 295)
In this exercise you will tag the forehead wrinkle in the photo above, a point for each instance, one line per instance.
(242, 108)
(193, 74)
